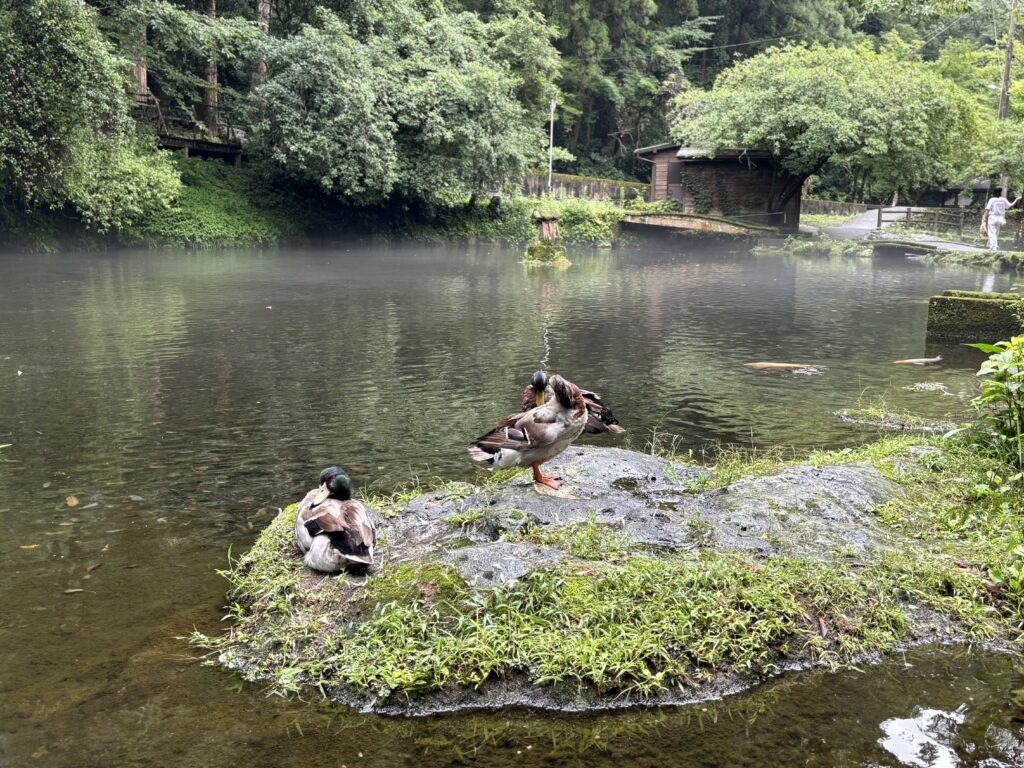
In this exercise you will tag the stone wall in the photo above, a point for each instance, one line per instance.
(563, 186)
(969, 316)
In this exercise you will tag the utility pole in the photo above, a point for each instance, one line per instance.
(551, 145)
(1004, 94)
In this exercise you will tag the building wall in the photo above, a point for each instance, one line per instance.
(726, 187)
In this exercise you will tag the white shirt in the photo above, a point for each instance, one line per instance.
(997, 206)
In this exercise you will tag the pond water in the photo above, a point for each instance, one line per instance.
(156, 408)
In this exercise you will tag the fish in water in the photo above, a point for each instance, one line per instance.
(781, 366)
(919, 361)
(804, 368)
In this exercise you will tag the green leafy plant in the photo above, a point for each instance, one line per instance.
(1001, 402)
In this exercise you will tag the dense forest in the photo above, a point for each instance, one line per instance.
(412, 105)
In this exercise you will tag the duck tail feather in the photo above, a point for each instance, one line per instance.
(479, 454)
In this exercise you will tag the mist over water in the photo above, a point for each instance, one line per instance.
(180, 398)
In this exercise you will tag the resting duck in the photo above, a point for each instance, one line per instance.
(530, 438)
(332, 529)
(599, 416)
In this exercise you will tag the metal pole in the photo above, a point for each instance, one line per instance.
(551, 145)
(1004, 94)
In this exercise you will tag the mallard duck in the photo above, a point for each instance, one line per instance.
(333, 530)
(530, 438)
(599, 416)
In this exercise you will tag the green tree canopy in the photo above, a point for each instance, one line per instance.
(66, 139)
(806, 105)
(417, 102)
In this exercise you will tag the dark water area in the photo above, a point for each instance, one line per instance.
(156, 408)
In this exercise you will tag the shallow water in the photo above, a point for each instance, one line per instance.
(180, 398)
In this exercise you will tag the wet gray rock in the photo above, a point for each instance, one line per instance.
(801, 511)
(654, 503)
(499, 563)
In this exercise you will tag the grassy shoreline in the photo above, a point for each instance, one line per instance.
(617, 621)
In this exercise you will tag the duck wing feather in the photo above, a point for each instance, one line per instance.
(599, 416)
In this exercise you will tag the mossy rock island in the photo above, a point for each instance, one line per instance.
(644, 580)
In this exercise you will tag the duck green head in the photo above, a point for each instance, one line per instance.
(334, 484)
(539, 382)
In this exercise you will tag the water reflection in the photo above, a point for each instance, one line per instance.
(182, 397)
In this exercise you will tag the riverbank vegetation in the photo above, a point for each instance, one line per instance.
(423, 110)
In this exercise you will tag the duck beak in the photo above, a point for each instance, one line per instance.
(540, 398)
(321, 495)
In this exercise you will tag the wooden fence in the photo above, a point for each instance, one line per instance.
(960, 224)
(832, 207)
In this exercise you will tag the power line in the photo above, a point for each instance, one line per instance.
(944, 28)
(749, 42)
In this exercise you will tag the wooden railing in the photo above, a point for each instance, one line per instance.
(959, 224)
(179, 122)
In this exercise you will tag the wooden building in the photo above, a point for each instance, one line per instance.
(737, 184)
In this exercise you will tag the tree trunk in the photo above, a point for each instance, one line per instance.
(263, 9)
(140, 73)
(210, 95)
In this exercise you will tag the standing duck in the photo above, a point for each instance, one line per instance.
(530, 438)
(333, 530)
(599, 416)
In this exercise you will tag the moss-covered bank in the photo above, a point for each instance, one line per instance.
(655, 581)
(221, 205)
(1004, 260)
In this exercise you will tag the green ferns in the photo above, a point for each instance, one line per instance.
(222, 205)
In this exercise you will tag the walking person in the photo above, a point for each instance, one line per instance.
(995, 217)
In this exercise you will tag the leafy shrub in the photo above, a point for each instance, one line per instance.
(222, 205)
(589, 222)
(1001, 402)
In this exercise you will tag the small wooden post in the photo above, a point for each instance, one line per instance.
(547, 246)
(960, 224)
(879, 226)
(935, 225)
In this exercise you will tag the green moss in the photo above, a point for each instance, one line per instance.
(587, 541)
(223, 205)
(819, 246)
(407, 583)
(825, 219)
(984, 295)
(545, 252)
(467, 517)
(974, 317)
(1006, 260)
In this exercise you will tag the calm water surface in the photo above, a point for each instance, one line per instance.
(177, 399)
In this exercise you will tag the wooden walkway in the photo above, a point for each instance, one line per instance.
(180, 129)
(865, 227)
